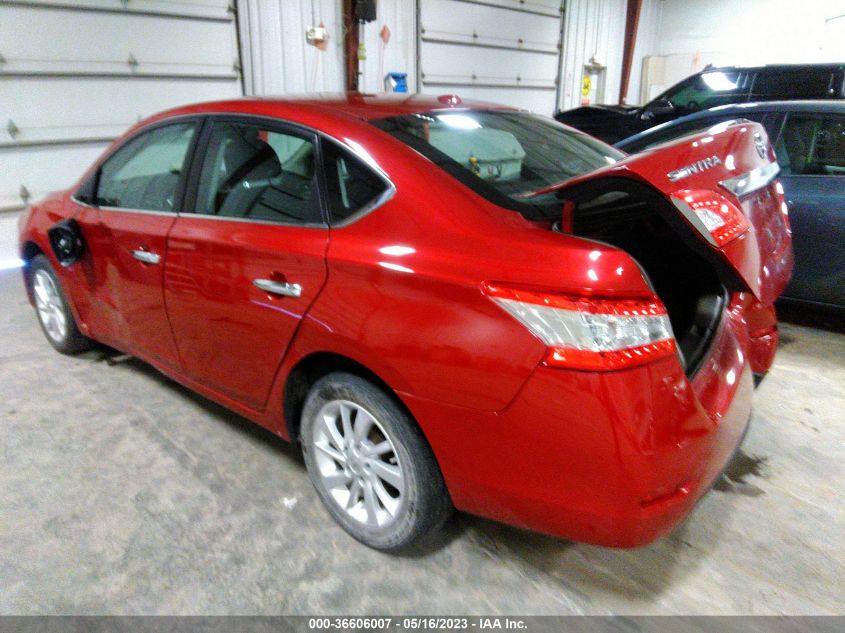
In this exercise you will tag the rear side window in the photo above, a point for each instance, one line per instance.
(352, 186)
(258, 173)
(812, 145)
(145, 173)
(798, 83)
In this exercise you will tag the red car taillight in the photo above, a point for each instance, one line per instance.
(590, 333)
(715, 217)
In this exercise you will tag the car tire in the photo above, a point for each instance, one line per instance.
(52, 309)
(383, 486)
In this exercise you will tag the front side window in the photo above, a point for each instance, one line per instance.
(352, 185)
(145, 173)
(707, 90)
(812, 145)
(504, 156)
(258, 173)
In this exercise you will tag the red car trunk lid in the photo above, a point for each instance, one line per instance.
(723, 182)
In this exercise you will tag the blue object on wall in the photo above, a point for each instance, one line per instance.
(396, 82)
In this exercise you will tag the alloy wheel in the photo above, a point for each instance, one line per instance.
(50, 306)
(357, 463)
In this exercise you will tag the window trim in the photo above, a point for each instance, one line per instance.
(283, 126)
(189, 181)
(181, 188)
(386, 195)
(319, 137)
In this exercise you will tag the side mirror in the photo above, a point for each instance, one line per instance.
(658, 108)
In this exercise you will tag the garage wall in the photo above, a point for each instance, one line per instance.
(499, 50)
(400, 52)
(690, 35)
(74, 75)
(276, 57)
(593, 30)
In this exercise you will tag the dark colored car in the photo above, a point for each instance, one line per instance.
(444, 303)
(707, 89)
(809, 139)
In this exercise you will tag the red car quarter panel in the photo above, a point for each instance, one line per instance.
(446, 305)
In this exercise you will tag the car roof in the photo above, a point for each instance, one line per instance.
(358, 105)
(830, 65)
(828, 106)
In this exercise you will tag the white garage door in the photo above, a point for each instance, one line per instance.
(497, 50)
(75, 74)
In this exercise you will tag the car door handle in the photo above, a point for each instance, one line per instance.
(278, 288)
(146, 256)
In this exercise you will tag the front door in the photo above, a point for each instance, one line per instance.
(137, 198)
(811, 153)
(243, 269)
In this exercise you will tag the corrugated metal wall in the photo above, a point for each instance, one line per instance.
(75, 74)
(592, 28)
(478, 48)
(495, 50)
(276, 57)
(399, 54)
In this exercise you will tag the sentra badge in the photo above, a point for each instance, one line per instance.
(694, 168)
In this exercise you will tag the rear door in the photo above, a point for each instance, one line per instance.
(244, 266)
(811, 153)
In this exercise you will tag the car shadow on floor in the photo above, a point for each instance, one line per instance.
(575, 567)
(580, 569)
(828, 319)
(112, 357)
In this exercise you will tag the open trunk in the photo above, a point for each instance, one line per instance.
(703, 216)
(683, 277)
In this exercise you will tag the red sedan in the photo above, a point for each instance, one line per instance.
(446, 304)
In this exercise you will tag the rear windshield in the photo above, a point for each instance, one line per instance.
(504, 156)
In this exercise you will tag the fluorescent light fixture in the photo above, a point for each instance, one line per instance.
(459, 121)
(718, 81)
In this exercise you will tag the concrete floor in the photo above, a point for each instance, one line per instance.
(123, 493)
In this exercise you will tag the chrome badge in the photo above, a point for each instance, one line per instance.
(694, 168)
(760, 145)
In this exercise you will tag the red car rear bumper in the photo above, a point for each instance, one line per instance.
(615, 459)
